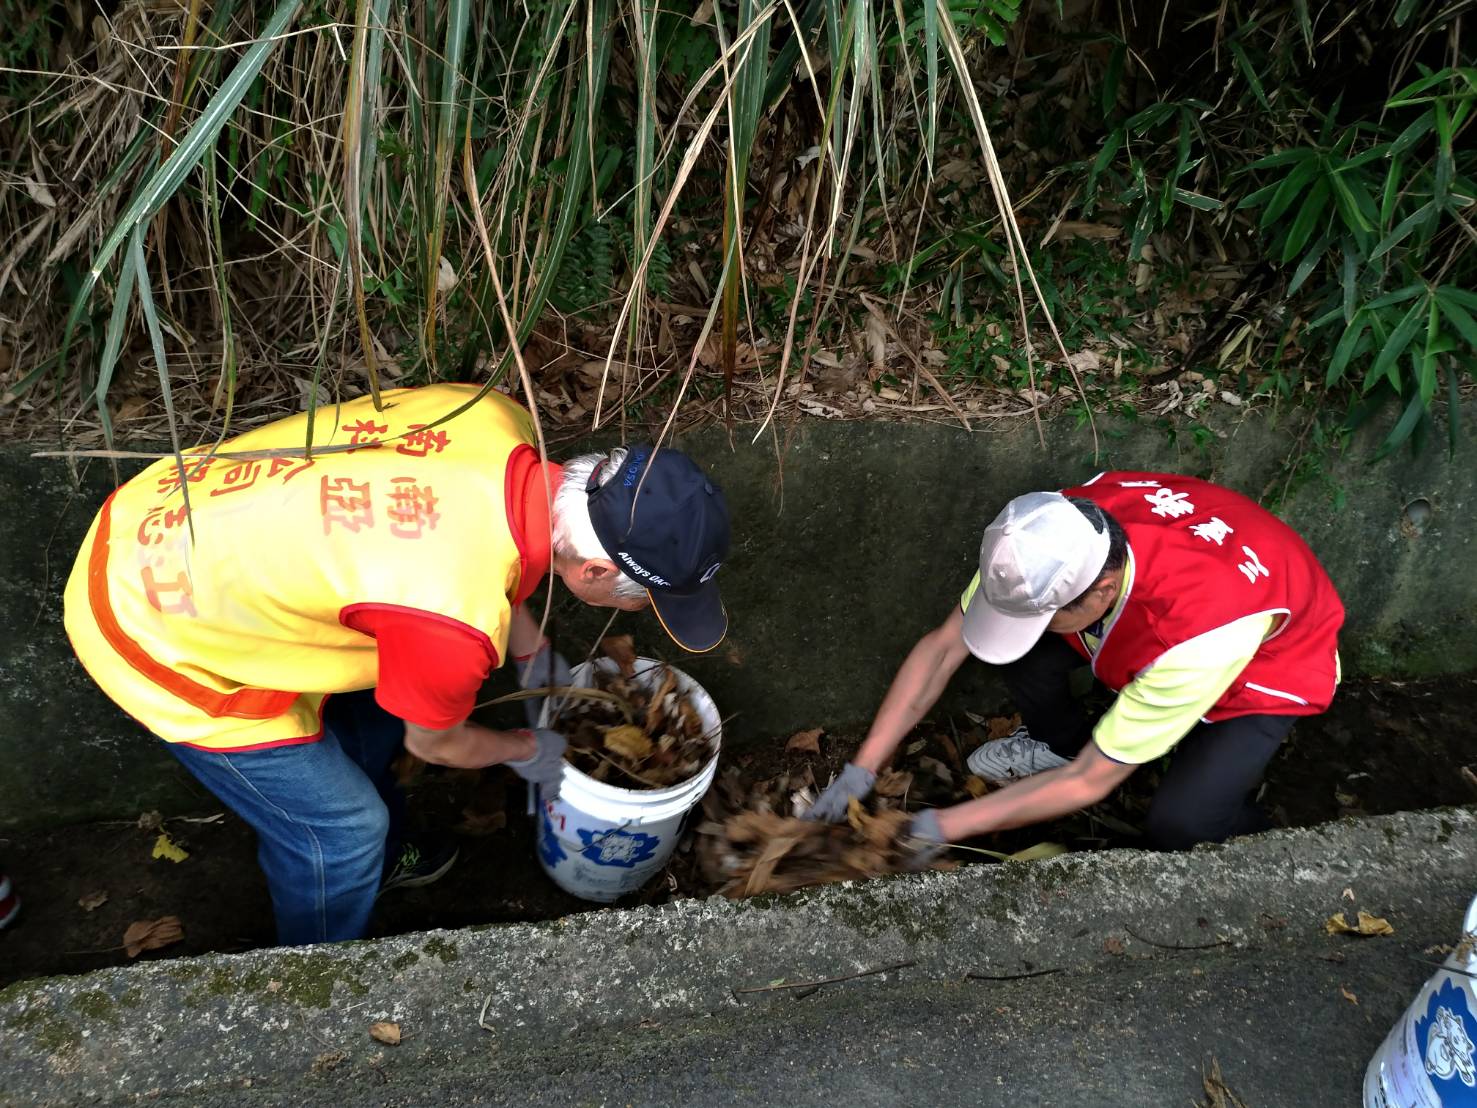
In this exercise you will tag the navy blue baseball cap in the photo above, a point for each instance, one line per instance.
(665, 524)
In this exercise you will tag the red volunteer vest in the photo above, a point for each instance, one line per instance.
(1203, 557)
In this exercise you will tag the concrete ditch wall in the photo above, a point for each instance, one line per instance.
(847, 547)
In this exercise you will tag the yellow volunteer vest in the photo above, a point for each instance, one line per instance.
(231, 639)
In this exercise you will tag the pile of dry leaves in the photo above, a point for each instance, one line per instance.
(764, 852)
(753, 840)
(638, 729)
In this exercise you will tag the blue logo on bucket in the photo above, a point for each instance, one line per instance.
(618, 848)
(1444, 1038)
(548, 843)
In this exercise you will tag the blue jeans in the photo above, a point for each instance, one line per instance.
(326, 814)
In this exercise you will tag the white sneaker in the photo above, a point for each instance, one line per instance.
(1013, 757)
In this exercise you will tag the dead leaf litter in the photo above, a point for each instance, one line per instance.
(645, 733)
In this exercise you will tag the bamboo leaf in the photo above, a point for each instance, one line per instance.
(931, 75)
(1386, 361)
(1427, 357)
(1291, 188)
(1282, 157)
(1198, 201)
(1407, 423)
(1101, 162)
(223, 294)
(1307, 219)
(1112, 76)
(1252, 80)
(1348, 204)
(156, 341)
(1399, 296)
(113, 343)
(1305, 24)
(167, 178)
(1422, 215)
(1309, 263)
(1457, 316)
(1344, 351)
(1406, 96)
(1391, 190)
(1412, 134)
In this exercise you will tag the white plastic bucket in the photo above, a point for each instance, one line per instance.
(1427, 1059)
(600, 842)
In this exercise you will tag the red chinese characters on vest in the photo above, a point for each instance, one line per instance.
(1203, 557)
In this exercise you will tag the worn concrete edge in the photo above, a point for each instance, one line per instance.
(189, 1023)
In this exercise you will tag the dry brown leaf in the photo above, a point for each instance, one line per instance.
(620, 649)
(951, 749)
(776, 849)
(152, 934)
(93, 901)
(1113, 945)
(654, 712)
(1217, 1093)
(1074, 229)
(627, 740)
(805, 742)
(383, 1031)
(1350, 997)
(1365, 924)
(892, 782)
(1002, 727)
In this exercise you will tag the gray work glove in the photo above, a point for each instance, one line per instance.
(546, 768)
(923, 841)
(544, 669)
(853, 781)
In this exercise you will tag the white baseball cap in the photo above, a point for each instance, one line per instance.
(1040, 554)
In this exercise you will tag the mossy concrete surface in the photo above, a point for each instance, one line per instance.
(1157, 963)
(849, 542)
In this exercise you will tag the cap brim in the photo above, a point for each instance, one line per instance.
(998, 637)
(696, 621)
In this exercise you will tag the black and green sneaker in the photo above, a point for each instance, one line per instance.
(422, 860)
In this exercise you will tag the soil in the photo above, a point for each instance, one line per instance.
(1382, 747)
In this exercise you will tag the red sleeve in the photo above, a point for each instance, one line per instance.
(430, 667)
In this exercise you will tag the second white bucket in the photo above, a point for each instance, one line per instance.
(600, 842)
(1427, 1060)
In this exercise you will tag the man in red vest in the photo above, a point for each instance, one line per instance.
(1208, 616)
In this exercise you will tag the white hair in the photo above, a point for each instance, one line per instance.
(574, 535)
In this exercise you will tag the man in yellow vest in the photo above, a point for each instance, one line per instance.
(310, 613)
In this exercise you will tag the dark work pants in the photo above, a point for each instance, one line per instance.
(1205, 795)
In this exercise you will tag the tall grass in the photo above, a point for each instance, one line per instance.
(265, 99)
(275, 207)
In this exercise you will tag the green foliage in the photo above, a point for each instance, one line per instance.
(1373, 217)
(1364, 204)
